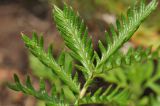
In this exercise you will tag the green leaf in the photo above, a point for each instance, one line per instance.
(48, 60)
(120, 59)
(75, 35)
(41, 94)
(28, 83)
(65, 61)
(68, 94)
(126, 28)
(42, 85)
(110, 96)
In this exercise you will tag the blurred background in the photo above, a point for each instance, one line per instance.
(26, 16)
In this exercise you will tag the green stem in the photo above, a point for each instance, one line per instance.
(84, 89)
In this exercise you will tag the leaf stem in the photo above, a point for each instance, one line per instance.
(84, 89)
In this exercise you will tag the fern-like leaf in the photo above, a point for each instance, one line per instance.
(28, 89)
(138, 75)
(125, 29)
(75, 35)
(109, 96)
(120, 59)
(36, 48)
(50, 100)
